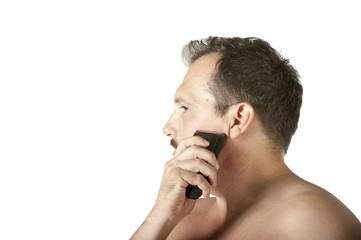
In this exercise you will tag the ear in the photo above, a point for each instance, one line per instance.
(242, 114)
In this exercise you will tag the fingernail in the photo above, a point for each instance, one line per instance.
(217, 165)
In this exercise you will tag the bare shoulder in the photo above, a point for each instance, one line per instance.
(314, 213)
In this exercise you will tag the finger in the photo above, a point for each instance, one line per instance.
(201, 153)
(198, 165)
(188, 142)
(196, 180)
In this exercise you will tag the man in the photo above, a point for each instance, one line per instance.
(245, 89)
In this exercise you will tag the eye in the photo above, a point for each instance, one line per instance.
(184, 108)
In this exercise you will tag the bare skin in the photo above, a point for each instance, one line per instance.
(256, 195)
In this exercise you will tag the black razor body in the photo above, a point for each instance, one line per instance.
(216, 143)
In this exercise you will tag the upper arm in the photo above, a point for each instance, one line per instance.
(314, 216)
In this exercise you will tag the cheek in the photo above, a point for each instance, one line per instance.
(189, 124)
(209, 122)
(204, 121)
(189, 127)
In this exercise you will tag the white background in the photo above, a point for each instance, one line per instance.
(86, 87)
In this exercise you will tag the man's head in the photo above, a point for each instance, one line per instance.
(250, 70)
(242, 70)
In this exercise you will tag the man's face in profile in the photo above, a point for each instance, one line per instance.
(194, 103)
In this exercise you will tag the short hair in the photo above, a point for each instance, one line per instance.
(250, 70)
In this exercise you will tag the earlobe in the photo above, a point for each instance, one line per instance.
(242, 115)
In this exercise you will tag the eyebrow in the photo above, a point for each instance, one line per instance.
(180, 99)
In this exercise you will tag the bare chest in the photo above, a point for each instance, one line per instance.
(244, 226)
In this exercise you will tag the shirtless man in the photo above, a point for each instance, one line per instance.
(244, 88)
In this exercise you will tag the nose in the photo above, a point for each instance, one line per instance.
(169, 129)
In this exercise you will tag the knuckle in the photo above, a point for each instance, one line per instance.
(199, 178)
(204, 186)
(174, 172)
(214, 174)
(171, 169)
(208, 154)
(198, 161)
(198, 139)
(187, 142)
(210, 173)
(192, 149)
(211, 155)
(168, 164)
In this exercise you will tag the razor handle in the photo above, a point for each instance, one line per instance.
(216, 143)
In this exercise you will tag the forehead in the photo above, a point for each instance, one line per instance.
(195, 83)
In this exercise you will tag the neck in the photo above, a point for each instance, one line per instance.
(245, 173)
